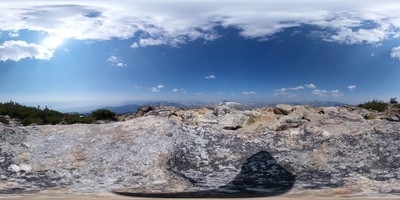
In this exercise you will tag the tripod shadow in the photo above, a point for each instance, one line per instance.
(260, 176)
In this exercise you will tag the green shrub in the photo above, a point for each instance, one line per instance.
(102, 114)
(77, 118)
(379, 106)
(32, 120)
(251, 120)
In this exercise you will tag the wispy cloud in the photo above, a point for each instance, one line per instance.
(211, 77)
(320, 93)
(351, 87)
(116, 61)
(13, 34)
(157, 88)
(250, 92)
(324, 93)
(17, 50)
(296, 88)
(282, 91)
(288, 91)
(175, 90)
(336, 93)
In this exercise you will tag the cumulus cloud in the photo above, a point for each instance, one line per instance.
(17, 50)
(116, 61)
(395, 52)
(351, 87)
(175, 90)
(178, 22)
(211, 77)
(310, 86)
(250, 92)
(157, 88)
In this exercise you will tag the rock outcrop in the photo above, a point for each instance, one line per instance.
(171, 152)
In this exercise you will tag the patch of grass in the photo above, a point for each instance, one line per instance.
(370, 117)
(251, 120)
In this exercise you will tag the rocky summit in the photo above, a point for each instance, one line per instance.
(208, 152)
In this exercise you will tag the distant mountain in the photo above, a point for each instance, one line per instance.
(316, 103)
(126, 109)
(132, 108)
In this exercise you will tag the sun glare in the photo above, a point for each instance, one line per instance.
(52, 42)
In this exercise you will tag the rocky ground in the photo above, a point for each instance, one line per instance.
(218, 152)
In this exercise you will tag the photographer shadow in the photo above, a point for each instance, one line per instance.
(260, 176)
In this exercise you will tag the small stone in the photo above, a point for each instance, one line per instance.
(15, 168)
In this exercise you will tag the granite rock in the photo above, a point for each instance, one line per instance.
(334, 153)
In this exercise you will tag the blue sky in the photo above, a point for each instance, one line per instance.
(79, 54)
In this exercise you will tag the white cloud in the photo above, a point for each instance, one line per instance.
(395, 52)
(211, 77)
(296, 88)
(324, 93)
(351, 87)
(320, 93)
(250, 92)
(282, 91)
(175, 90)
(178, 22)
(288, 91)
(336, 93)
(116, 61)
(13, 34)
(157, 88)
(17, 50)
(310, 86)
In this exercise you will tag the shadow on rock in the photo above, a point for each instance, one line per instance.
(260, 176)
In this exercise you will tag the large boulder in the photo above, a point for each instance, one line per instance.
(222, 110)
(329, 110)
(233, 121)
(4, 119)
(283, 109)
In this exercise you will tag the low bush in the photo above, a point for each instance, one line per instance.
(77, 118)
(31, 115)
(104, 114)
(377, 105)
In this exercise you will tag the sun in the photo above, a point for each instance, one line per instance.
(52, 42)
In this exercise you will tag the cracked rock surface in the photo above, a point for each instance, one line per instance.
(334, 153)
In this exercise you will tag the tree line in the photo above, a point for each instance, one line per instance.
(35, 115)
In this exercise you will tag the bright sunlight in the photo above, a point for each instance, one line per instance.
(52, 42)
